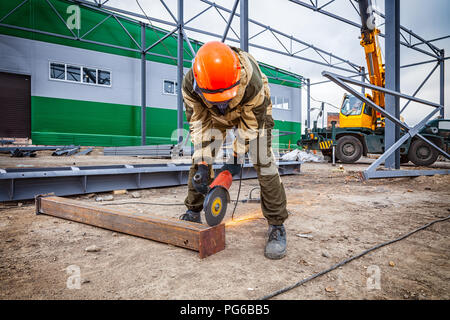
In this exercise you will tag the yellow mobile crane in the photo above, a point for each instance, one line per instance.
(361, 128)
(352, 114)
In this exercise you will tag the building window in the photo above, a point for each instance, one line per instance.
(73, 73)
(170, 87)
(285, 104)
(57, 71)
(80, 74)
(104, 77)
(280, 102)
(89, 75)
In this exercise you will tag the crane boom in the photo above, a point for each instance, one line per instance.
(370, 43)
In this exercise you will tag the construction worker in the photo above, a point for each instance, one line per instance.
(226, 89)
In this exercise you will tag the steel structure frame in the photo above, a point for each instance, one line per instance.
(402, 32)
(407, 40)
(324, 58)
(25, 183)
(410, 132)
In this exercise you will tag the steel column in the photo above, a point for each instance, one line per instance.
(180, 71)
(308, 103)
(392, 54)
(442, 83)
(244, 25)
(143, 87)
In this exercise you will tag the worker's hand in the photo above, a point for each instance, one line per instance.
(200, 179)
(234, 168)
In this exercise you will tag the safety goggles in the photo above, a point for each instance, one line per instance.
(200, 91)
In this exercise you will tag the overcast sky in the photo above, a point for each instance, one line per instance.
(428, 19)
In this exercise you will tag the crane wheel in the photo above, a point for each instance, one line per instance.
(349, 149)
(421, 153)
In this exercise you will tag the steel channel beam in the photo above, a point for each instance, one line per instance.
(339, 80)
(402, 173)
(370, 86)
(26, 183)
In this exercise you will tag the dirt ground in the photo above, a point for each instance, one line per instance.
(336, 215)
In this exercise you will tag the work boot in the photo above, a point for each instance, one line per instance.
(276, 243)
(191, 216)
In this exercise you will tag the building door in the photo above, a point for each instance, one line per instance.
(15, 105)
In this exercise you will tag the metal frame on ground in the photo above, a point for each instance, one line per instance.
(26, 183)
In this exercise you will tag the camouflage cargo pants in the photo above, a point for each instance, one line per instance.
(272, 193)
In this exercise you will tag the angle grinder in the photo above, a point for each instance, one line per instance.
(217, 197)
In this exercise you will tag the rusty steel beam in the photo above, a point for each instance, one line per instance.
(195, 236)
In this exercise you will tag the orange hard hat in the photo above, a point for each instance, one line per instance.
(217, 71)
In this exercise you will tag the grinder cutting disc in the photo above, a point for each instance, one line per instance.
(215, 205)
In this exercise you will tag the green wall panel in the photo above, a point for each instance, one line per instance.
(62, 121)
(99, 124)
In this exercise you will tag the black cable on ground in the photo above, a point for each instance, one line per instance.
(182, 204)
(316, 275)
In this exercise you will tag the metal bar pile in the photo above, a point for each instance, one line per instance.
(26, 183)
(195, 236)
(66, 151)
(39, 148)
(84, 152)
(162, 151)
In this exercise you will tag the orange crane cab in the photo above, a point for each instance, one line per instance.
(355, 114)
